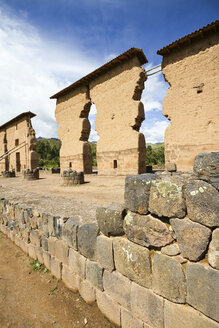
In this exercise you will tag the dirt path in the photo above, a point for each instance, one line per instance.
(25, 301)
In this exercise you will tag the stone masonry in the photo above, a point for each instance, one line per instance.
(116, 89)
(190, 66)
(159, 271)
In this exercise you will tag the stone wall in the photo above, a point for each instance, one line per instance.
(152, 263)
(191, 102)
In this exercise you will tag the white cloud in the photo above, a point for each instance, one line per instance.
(32, 69)
(155, 134)
(155, 89)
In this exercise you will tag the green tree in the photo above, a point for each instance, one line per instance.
(155, 155)
(48, 153)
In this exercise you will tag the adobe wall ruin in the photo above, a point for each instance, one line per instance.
(116, 94)
(190, 66)
(151, 263)
(17, 137)
(116, 89)
(71, 113)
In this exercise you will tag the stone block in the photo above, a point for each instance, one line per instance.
(137, 191)
(35, 238)
(87, 291)
(168, 278)
(47, 260)
(77, 263)
(44, 243)
(170, 167)
(70, 279)
(129, 321)
(94, 274)
(43, 224)
(202, 203)
(24, 246)
(206, 166)
(166, 198)
(202, 291)
(32, 251)
(193, 238)
(61, 251)
(133, 261)
(56, 267)
(39, 254)
(110, 219)
(51, 245)
(34, 222)
(87, 238)
(105, 253)
(171, 250)
(146, 230)
(181, 316)
(52, 224)
(26, 235)
(109, 307)
(213, 251)
(69, 232)
(147, 306)
(118, 287)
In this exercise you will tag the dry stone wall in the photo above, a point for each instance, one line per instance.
(152, 263)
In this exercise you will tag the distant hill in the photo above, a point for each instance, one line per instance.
(52, 141)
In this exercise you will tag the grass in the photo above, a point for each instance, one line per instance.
(36, 266)
(52, 291)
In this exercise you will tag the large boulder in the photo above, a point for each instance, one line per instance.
(110, 219)
(137, 190)
(202, 202)
(87, 238)
(168, 278)
(213, 251)
(166, 198)
(193, 238)
(146, 230)
(206, 166)
(202, 289)
(133, 261)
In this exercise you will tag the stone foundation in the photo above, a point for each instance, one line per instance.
(72, 177)
(151, 263)
(8, 174)
(31, 174)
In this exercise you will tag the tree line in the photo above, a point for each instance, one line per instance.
(48, 150)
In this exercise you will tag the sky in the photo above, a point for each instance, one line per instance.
(46, 45)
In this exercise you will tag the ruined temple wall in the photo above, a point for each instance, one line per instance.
(151, 263)
(193, 112)
(71, 113)
(118, 118)
(17, 131)
(21, 131)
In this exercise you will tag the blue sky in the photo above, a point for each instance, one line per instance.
(46, 45)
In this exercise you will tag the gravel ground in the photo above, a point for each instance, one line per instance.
(48, 195)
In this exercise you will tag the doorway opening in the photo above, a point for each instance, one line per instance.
(18, 162)
(93, 138)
